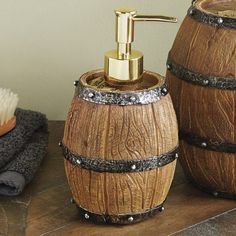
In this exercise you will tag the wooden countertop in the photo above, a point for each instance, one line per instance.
(44, 208)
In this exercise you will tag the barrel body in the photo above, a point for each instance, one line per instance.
(120, 156)
(202, 79)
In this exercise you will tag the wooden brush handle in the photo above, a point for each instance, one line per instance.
(8, 126)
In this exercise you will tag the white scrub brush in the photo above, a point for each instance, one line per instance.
(8, 103)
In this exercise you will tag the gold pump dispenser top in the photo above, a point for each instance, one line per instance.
(125, 64)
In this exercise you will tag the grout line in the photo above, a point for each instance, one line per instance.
(54, 230)
(204, 221)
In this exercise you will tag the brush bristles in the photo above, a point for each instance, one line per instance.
(8, 103)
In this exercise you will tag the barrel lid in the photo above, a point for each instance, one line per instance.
(95, 80)
(216, 13)
(93, 87)
(218, 7)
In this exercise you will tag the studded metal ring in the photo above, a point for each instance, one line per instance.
(119, 166)
(213, 192)
(119, 219)
(139, 97)
(208, 144)
(207, 18)
(200, 79)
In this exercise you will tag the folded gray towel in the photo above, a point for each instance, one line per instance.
(21, 151)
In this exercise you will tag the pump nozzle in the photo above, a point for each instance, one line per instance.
(125, 64)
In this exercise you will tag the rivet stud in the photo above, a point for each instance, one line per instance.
(132, 98)
(203, 144)
(90, 95)
(130, 219)
(133, 167)
(220, 20)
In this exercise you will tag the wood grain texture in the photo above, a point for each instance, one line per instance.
(207, 112)
(215, 171)
(205, 49)
(204, 111)
(121, 132)
(114, 132)
(119, 193)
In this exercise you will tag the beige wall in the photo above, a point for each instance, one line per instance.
(47, 44)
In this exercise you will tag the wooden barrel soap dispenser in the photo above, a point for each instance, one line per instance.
(121, 135)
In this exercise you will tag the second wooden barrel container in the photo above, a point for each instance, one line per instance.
(120, 148)
(202, 80)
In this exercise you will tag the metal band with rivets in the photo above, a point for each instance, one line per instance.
(146, 96)
(213, 192)
(119, 219)
(119, 166)
(211, 19)
(200, 79)
(208, 144)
